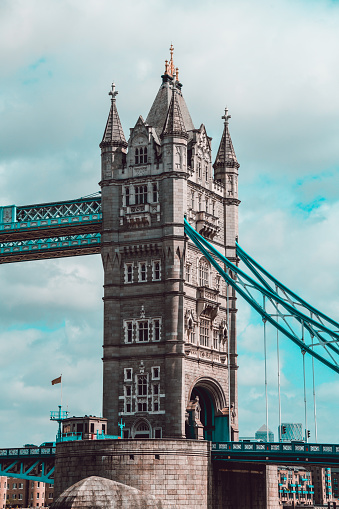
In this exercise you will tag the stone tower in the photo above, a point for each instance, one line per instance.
(169, 341)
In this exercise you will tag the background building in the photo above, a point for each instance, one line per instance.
(295, 486)
(16, 492)
(263, 433)
(293, 431)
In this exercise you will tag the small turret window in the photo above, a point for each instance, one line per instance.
(141, 155)
(127, 197)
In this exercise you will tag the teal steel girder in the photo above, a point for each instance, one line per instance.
(50, 219)
(288, 311)
(55, 247)
(33, 463)
(282, 453)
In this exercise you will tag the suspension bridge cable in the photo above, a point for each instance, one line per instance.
(298, 315)
(278, 369)
(228, 363)
(242, 254)
(203, 245)
(265, 356)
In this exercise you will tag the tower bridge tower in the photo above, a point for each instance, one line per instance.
(170, 355)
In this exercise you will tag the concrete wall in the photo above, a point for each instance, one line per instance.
(178, 472)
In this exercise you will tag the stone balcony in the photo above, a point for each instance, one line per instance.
(137, 216)
(207, 224)
(207, 301)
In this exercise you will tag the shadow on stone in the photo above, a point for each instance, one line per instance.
(98, 492)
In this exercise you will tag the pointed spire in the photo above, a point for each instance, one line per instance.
(113, 135)
(174, 124)
(226, 157)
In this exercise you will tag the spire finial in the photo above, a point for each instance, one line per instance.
(113, 92)
(171, 63)
(226, 117)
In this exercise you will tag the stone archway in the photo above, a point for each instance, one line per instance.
(141, 429)
(207, 411)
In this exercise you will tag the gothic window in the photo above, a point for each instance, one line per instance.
(127, 196)
(155, 397)
(155, 193)
(199, 202)
(140, 194)
(199, 169)
(216, 339)
(142, 385)
(217, 282)
(142, 390)
(156, 272)
(128, 399)
(128, 373)
(204, 332)
(190, 331)
(192, 200)
(203, 273)
(213, 208)
(129, 332)
(155, 373)
(206, 172)
(142, 271)
(206, 204)
(188, 273)
(141, 155)
(157, 433)
(128, 272)
(143, 331)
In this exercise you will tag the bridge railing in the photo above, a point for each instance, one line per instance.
(45, 211)
(283, 447)
(45, 223)
(27, 452)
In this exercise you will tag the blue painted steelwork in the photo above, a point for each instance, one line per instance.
(33, 463)
(277, 453)
(285, 306)
(54, 210)
(52, 243)
(50, 230)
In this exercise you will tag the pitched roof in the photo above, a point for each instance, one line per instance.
(113, 135)
(158, 112)
(226, 153)
(174, 124)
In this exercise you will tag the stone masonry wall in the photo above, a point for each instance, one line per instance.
(178, 472)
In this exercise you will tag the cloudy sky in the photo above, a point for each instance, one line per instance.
(276, 65)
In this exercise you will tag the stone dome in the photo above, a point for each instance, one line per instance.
(100, 493)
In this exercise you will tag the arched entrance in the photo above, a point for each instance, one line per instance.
(142, 429)
(207, 412)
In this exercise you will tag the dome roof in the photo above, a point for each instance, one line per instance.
(100, 493)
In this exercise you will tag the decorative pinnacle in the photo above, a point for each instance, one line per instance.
(226, 117)
(113, 92)
(169, 65)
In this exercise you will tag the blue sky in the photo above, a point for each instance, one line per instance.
(276, 66)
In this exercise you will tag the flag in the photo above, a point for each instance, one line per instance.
(56, 380)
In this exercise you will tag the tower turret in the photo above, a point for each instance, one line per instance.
(226, 164)
(113, 145)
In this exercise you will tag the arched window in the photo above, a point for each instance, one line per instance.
(127, 197)
(136, 156)
(203, 273)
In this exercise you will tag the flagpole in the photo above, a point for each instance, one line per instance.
(61, 388)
